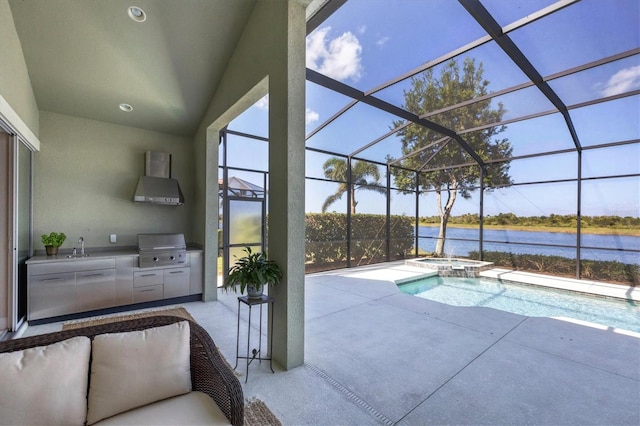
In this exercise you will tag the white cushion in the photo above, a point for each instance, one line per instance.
(45, 385)
(194, 408)
(136, 368)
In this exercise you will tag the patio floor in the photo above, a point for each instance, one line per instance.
(374, 355)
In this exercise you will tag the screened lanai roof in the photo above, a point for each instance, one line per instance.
(567, 74)
(564, 76)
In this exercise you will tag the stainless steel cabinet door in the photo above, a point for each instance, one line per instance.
(176, 282)
(95, 289)
(147, 294)
(51, 295)
(146, 278)
(124, 280)
(197, 273)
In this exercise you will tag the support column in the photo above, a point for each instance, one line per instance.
(210, 285)
(286, 220)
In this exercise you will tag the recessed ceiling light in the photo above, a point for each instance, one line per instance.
(125, 107)
(137, 14)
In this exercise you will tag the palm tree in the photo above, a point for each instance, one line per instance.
(336, 169)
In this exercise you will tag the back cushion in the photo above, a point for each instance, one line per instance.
(45, 385)
(136, 368)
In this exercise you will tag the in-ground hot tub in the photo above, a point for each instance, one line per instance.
(451, 267)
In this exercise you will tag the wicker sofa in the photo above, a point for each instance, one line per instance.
(45, 400)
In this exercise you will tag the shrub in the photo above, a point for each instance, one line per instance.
(326, 238)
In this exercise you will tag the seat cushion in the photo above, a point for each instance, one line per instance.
(194, 408)
(45, 385)
(137, 368)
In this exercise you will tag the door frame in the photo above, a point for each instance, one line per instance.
(225, 197)
(19, 135)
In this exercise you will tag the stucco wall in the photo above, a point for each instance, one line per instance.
(15, 85)
(85, 176)
(243, 84)
(268, 59)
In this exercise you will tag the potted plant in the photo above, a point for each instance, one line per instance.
(253, 272)
(52, 242)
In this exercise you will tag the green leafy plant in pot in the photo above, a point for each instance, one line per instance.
(52, 242)
(253, 272)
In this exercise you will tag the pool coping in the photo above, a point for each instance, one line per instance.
(618, 291)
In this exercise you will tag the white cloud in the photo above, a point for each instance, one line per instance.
(362, 29)
(263, 103)
(381, 42)
(311, 116)
(623, 81)
(338, 58)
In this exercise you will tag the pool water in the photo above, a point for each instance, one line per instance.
(527, 300)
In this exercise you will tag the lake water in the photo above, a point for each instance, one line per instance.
(504, 239)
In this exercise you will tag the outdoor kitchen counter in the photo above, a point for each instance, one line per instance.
(92, 254)
(107, 280)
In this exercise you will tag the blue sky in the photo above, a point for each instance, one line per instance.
(368, 42)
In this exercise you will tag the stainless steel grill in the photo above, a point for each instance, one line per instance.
(161, 250)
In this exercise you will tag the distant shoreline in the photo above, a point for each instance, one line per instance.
(596, 231)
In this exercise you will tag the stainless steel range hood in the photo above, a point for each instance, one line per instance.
(156, 186)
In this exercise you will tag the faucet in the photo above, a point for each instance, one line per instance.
(81, 242)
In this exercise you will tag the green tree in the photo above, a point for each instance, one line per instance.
(435, 158)
(364, 175)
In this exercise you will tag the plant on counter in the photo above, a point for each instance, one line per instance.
(52, 242)
(53, 239)
(253, 272)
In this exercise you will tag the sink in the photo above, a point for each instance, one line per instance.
(76, 256)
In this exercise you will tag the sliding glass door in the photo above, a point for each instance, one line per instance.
(15, 228)
(23, 219)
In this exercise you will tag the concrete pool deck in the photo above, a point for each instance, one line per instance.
(374, 355)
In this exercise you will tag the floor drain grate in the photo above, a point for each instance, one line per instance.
(352, 396)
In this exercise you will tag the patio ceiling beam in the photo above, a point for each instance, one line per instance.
(337, 86)
(511, 120)
(438, 169)
(532, 17)
(321, 12)
(430, 64)
(594, 64)
(426, 163)
(605, 99)
(552, 111)
(247, 135)
(478, 99)
(375, 141)
(330, 120)
(486, 21)
(417, 151)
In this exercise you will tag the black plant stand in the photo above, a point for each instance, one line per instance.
(255, 353)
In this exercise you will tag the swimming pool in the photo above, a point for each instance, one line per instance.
(526, 300)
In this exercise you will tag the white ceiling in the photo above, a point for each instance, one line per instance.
(86, 57)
